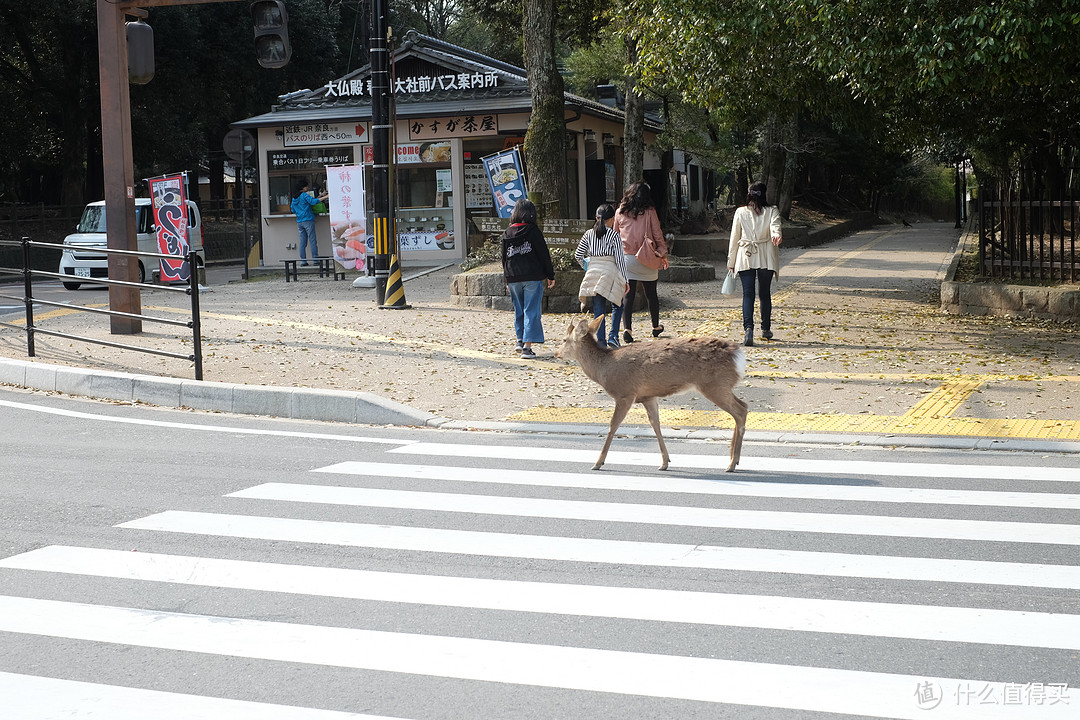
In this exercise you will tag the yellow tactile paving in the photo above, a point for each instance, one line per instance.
(943, 401)
(811, 422)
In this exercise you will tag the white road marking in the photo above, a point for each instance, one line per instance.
(201, 428)
(719, 462)
(918, 622)
(610, 671)
(676, 515)
(623, 552)
(28, 697)
(727, 485)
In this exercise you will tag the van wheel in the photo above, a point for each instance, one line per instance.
(142, 272)
(72, 286)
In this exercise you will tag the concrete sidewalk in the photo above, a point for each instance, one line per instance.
(862, 354)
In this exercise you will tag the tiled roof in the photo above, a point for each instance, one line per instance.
(510, 95)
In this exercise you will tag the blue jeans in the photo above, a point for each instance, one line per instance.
(599, 310)
(307, 237)
(763, 278)
(528, 299)
(616, 318)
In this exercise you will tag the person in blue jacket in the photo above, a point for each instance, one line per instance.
(302, 204)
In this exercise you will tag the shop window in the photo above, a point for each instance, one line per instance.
(286, 167)
(424, 197)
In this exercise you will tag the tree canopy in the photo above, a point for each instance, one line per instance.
(853, 84)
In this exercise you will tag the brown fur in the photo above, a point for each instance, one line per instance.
(644, 372)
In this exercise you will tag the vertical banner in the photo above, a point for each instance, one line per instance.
(348, 216)
(171, 221)
(506, 180)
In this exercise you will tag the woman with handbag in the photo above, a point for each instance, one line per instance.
(646, 254)
(754, 255)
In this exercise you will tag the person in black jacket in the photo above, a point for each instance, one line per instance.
(526, 264)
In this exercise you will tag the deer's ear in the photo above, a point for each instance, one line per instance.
(594, 324)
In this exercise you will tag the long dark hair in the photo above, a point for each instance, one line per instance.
(524, 212)
(603, 213)
(637, 199)
(299, 187)
(757, 197)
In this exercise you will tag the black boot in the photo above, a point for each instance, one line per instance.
(749, 340)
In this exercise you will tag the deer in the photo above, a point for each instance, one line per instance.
(645, 372)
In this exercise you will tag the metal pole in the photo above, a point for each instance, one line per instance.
(382, 217)
(28, 297)
(243, 210)
(196, 326)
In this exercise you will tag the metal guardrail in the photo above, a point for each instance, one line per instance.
(28, 273)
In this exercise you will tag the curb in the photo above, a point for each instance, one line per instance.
(263, 400)
(363, 408)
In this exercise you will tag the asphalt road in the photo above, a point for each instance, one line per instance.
(173, 564)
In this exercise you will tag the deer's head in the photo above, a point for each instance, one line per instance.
(580, 333)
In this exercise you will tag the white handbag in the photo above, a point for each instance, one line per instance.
(730, 285)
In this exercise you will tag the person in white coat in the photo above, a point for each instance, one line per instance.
(754, 255)
(600, 252)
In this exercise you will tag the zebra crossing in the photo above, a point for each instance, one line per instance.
(448, 588)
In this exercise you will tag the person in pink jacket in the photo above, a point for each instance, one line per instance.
(636, 218)
(754, 255)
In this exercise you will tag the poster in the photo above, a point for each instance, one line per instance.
(348, 217)
(171, 221)
(477, 189)
(506, 180)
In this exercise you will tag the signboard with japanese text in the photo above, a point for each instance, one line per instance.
(477, 189)
(425, 240)
(558, 232)
(308, 159)
(460, 126)
(171, 221)
(415, 84)
(348, 217)
(323, 134)
(506, 180)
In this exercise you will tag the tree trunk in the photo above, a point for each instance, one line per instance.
(787, 183)
(772, 159)
(633, 125)
(545, 152)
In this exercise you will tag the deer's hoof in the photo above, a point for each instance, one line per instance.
(663, 466)
(598, 465)
(731, 467)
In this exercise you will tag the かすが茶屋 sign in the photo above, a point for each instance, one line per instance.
(449, 127)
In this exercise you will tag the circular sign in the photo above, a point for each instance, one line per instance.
(238, 144)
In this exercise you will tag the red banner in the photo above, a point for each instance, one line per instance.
(171, 221)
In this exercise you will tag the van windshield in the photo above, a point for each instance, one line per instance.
(93, 219)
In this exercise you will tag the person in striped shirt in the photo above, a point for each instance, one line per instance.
(600, 252)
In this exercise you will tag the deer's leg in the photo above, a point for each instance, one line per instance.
(652, 408)
(726, 400)
(622, 406)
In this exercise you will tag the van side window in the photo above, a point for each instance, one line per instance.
(144, 219)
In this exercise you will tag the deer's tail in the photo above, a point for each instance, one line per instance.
(738, 358)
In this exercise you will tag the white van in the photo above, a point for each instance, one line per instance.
(86, 264)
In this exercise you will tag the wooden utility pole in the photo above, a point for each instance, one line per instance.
(117, 162)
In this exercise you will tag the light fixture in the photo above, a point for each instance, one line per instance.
(590, 136)
(609, 139)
